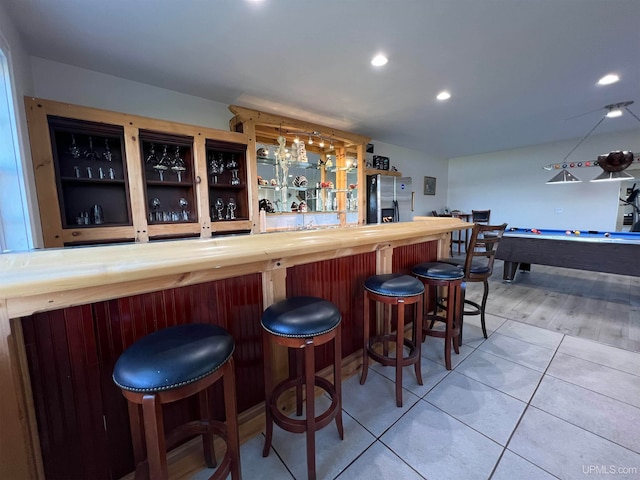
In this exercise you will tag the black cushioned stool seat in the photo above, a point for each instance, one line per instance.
(302, 323)
(434, 275)
(169, 365)
(399, 290)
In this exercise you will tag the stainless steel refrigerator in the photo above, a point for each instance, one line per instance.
(389, 199)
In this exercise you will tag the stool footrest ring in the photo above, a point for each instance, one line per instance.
(385, 360)
(295, 425)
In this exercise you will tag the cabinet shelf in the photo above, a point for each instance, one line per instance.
(101, 181)
(222, 186)
(169, 183)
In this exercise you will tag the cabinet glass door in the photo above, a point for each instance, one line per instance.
(168, 178)
(91, 174)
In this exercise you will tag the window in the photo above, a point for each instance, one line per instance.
(15, 233)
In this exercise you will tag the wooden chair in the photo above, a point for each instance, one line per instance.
(478, 265)
(481, 216)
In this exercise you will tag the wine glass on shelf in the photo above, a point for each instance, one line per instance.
(177, 164)
(214, 168)
(234, 177)
(107, 155)
(151, 158)
(90, 153)
(163, 163)
(219, 207)
(231, 209)
(231, 164)
(73, 148)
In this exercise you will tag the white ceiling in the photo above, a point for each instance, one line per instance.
(521, 72)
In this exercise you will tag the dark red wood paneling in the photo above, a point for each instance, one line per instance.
(340, 281)
(71, 354)
(404, 258)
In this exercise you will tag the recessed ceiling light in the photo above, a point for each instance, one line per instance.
(379, 60)
(444, 95)
(609, 79)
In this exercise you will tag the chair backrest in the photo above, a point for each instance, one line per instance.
(481, 216)
(481, 251)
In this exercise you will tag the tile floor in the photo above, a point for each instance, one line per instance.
(526, 403)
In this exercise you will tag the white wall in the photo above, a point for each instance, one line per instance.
(65, 83)
(19, 219)
(417, 165)
(512, 184)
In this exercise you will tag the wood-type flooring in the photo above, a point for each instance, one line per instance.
(590, 305)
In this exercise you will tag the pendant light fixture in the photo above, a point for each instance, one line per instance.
(612, 163)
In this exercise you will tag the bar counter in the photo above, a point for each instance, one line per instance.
(66, 314)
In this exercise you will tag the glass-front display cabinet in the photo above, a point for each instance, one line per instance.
(307, 175)
(105, 177)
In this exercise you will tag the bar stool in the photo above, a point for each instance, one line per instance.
(434, 275)
(477, 266)
(400, 290)
(169, 365)
(302, 323)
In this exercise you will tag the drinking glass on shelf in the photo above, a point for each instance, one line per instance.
(73, 148)
(108, 156)
(177, 164)
(234, 177)
(183, 205)
(231, 209)
(90, 153)
(219, 207)
(156, 215)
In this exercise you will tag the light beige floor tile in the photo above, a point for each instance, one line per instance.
(432, 373)
(479, 406)
(373, 404)
(513, 467)
(599, 414)
(253, 465)
(507, 376)
(379, 463)
(332, 454)
(607, 381)
(565, 450)
(603, 354)
(433, 349)
(440, 447)
(519, 351)
(529, 333)
(472, 328)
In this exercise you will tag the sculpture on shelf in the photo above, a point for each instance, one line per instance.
(282, 169)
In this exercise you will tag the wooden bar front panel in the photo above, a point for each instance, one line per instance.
(82, 416)
(341, 281)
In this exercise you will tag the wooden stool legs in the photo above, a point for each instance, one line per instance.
(150, 443)
(414, 345)
(305, 377)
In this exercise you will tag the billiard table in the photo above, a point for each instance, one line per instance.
(613, 252)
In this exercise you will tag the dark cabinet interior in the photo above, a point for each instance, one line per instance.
(91, 176)
(168, 178)
(227, 180)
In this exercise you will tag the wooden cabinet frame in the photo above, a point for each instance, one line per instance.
(262, 127)
(54, 235)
